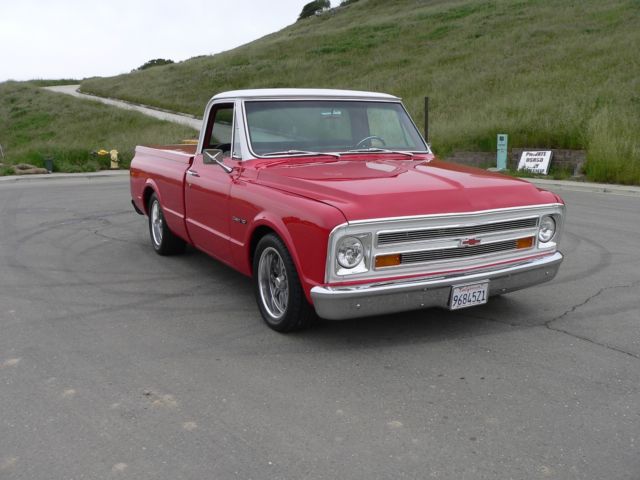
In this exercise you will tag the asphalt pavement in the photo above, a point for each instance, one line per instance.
(118, 363)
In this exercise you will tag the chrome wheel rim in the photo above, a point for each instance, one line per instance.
(273, 283)
(156, 223)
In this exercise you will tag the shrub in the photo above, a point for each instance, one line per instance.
(155, 63)
(312, 7)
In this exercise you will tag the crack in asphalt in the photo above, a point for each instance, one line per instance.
(548, 324)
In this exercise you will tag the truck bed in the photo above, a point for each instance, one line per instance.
(162, 169)
(178, 153)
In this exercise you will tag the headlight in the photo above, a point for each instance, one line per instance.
(547, 228)
(350, 252)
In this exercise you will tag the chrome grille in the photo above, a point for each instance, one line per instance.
(387, 238)
(451, 253)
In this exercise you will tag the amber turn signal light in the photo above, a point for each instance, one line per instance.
(388, 260)
(524, 242)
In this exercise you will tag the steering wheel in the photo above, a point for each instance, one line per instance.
(369, 138)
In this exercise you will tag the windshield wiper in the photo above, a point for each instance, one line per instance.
(378, 150)
(298, 152)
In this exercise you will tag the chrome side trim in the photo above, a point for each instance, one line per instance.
(339, 303)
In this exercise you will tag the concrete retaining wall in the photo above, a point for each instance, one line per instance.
(563, 159)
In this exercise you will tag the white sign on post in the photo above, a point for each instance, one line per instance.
(535, 162)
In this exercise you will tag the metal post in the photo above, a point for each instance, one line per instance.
(1, 152)
(501, 157)
(426, 119)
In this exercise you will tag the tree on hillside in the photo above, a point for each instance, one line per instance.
(312, 7)
(156, 62)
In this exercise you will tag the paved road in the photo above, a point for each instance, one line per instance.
(117, 363)
(180, 118)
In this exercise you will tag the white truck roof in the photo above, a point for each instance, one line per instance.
(303, 93)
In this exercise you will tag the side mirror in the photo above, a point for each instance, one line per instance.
(214, 155)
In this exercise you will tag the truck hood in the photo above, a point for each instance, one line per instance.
(382, 187)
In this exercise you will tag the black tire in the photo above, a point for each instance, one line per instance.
(274, 273)
(163, 240)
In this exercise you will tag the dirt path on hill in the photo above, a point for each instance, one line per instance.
(180, 118)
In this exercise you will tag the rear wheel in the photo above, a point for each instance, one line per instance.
(163, 240)
(279, 294)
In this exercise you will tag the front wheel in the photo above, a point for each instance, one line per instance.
(164, 241)
(279, 294)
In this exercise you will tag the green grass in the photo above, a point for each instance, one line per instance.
(47, 83)
(550, 73)
(35, 124)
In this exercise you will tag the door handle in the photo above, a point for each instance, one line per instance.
(193, 173)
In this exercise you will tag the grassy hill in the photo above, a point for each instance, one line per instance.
(550, 73)
(35, 124)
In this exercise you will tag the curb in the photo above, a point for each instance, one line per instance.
(585, 186)
(64, 176)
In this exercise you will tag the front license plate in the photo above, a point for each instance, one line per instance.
(463, 296)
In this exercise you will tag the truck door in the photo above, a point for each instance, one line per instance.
(207, 188)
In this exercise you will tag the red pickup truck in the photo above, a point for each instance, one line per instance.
(334, 204)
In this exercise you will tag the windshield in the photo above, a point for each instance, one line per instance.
(307, 126)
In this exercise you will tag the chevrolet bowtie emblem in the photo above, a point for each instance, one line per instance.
(469, 242)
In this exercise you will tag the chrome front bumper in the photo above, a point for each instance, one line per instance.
(339, 303)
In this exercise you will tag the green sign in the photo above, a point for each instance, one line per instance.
(503, 139)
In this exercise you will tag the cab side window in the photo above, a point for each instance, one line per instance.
(221, 128)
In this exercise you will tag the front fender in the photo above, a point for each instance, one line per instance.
(303, 225)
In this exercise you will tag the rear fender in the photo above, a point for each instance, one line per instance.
(150, 184)
(174, 221)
